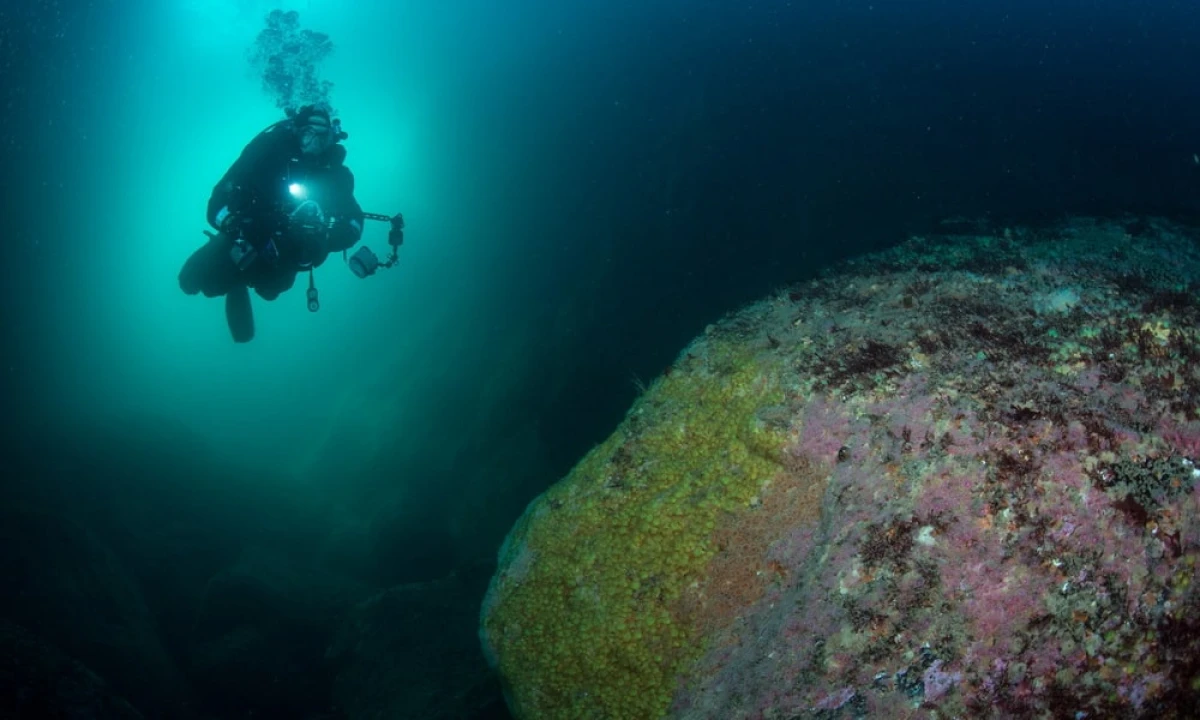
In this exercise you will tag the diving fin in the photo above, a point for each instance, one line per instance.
(239, 313)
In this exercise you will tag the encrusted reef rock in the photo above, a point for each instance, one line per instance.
(954, 479)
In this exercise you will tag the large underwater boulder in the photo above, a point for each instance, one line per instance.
(954, 479)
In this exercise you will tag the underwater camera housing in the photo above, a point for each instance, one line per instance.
(364, 262)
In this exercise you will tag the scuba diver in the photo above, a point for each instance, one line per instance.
(283, 206)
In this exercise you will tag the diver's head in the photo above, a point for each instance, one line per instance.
(314, 130)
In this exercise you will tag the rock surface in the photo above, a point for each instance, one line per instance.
(37, 680)
(261, 632)
(66, 583)
(410, 652)
(956, 478)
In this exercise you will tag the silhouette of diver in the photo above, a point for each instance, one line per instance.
(281, 208)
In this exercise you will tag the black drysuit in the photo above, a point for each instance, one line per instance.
(262, 188)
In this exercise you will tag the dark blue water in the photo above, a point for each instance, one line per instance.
(585, 185)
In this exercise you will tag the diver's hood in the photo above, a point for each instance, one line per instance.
(333, 156)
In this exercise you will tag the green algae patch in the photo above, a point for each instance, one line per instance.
(589, 615)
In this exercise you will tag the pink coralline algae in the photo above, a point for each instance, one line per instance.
(1025, 526)
(938, 682)
(1008, 497)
